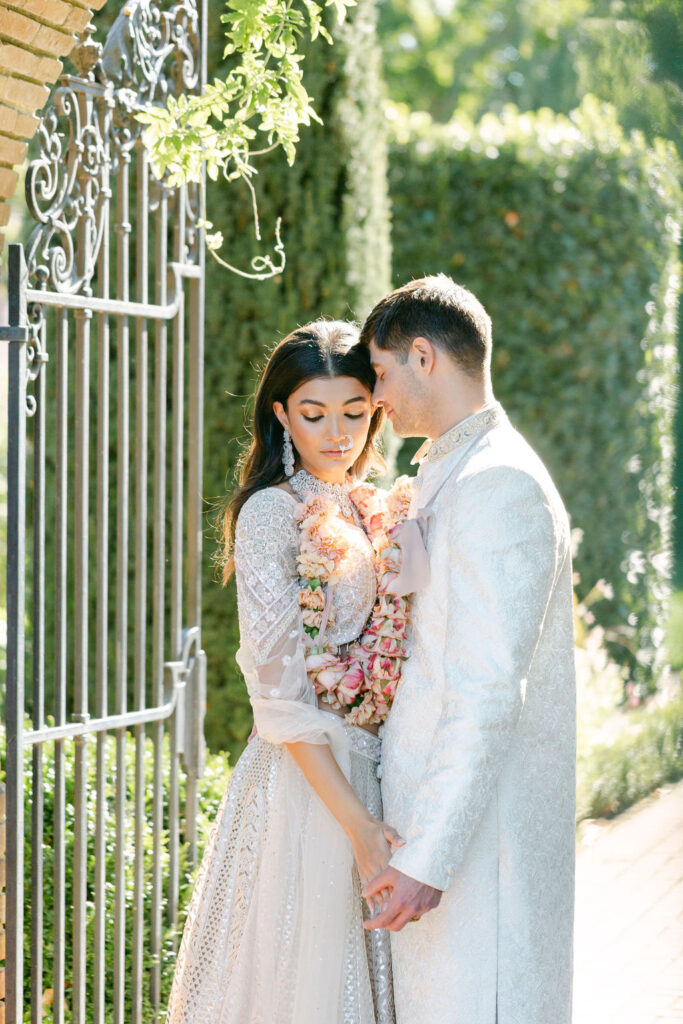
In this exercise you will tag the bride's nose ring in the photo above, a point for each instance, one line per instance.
(345, 443)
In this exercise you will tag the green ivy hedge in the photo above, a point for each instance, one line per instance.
(335, 228)
(566, 230)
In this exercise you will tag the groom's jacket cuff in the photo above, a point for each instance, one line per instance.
(409, 862)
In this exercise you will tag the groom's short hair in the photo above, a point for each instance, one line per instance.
(438, 309)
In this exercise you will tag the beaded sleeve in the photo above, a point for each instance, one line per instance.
(266, 546)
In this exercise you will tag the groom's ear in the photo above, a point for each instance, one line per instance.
(423, 355)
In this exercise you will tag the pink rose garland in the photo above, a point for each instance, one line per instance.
(367, 677)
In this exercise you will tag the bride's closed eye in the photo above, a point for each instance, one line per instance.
(349, 416)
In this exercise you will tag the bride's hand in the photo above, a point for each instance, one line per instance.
(372, 844)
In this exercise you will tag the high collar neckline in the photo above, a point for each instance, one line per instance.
(470, 427)
(304, 483)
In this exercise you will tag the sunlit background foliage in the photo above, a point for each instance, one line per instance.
(475, 56)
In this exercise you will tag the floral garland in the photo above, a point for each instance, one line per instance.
(365, 678)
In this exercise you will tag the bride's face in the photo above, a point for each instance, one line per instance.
(328, 419)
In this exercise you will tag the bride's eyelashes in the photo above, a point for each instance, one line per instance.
(349, 416)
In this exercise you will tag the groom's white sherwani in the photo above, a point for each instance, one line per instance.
(479, 749)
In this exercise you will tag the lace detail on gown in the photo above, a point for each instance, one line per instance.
(266, 546)
(274, 930)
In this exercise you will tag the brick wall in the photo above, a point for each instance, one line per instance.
(34, 34)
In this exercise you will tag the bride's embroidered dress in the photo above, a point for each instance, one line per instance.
(274, 931)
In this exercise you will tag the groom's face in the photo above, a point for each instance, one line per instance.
(400, 390)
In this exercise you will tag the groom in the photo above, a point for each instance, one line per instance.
(479, 748)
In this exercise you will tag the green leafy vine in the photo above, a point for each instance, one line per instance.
(259, 107)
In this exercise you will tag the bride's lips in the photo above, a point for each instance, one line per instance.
(333, 453)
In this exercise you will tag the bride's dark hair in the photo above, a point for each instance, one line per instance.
(323, 348)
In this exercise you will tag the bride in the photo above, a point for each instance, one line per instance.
(274, 931)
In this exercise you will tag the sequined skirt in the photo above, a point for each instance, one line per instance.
(274, 930)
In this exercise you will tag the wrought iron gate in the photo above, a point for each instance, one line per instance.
(104, 532)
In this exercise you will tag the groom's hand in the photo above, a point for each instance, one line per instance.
(409, 899)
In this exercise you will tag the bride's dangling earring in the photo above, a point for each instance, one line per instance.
(288, 454)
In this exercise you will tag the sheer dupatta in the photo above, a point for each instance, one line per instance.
(283, 699)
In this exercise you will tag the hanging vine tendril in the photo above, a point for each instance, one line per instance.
(262, 103)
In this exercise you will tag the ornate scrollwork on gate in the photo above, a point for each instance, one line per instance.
(67, 185)
(36, 353)
(138, 48)
(89, 128)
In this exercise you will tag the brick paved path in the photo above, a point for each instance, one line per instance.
(629, 915)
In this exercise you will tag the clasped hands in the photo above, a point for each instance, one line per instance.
(408, 899)
(400, 898)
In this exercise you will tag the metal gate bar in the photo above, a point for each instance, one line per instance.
(158, 578)
(16, 335)
(101, 655)
(38, 605)
(61, 552)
